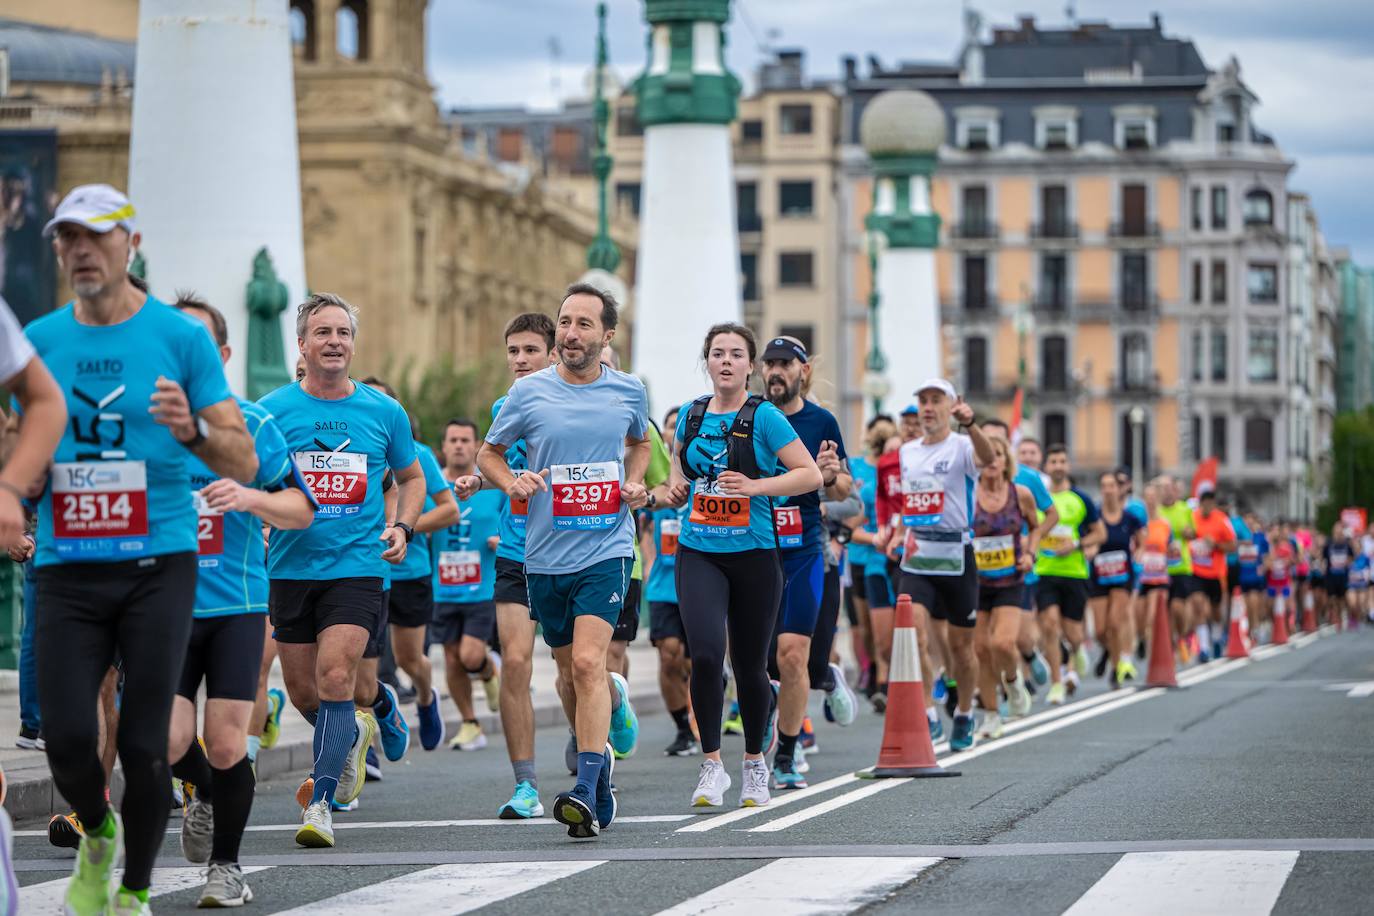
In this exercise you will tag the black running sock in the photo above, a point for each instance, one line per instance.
(680, 718)
(1028, 657)
(787, 746)
(234, 791)
(382, 707)
(195, 769)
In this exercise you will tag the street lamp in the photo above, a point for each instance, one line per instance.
(1137, 418)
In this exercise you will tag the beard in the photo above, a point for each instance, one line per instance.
(788, 394)
(580, 361)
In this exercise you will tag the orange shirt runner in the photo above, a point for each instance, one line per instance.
(1216, 527)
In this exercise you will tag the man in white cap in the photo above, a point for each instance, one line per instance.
(117, 532)
(939, 472)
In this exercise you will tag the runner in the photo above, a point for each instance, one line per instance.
(736, 453)
(802, 542)
(585, 427)
(227, 637)
(868, 564)
(1152, 556)
(889, 502)
(1182, 583)
(1003, 556)
(464, 583)
(1338, 557)
(939, 472)
(1063, 571)
(1214, 539)
(117, 532)
(326, 595)
(1278, 569)
(1113, 580)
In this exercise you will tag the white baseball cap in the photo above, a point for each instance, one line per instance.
(98, 207)
(937, 384)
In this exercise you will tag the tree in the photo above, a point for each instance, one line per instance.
(1352, 466)
(444, 391)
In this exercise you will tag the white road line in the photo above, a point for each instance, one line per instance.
(446, 890)
(428, 825)
(1245, 883)
(42, 899)
(805, 887)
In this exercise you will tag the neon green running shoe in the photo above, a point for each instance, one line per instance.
(92, 885)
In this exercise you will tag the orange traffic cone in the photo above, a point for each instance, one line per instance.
(1280, 636)
(1237, 646)
(907, 749)
(1309, 614)
(1161, 672)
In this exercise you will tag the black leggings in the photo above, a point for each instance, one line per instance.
(87, 611)
(736, 593)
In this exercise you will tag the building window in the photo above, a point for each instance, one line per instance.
(747, 207)
(350, 29)
(1057, 134)
(1056, 429)
(794, 119)
(510, 144)
(1054, 282)
(976, 364)
(1198, 345)
(566, 150)
(627, 197)
(1133, 211)
(1195, 207)
(627, 122)
(806, 333)
(1263, 362)
(1259, 440)
(749, 274)
(751, 131)
(1054, 211)
(1194, 449)
(1219, 438)
(1218, 282)
(301, 24)
(1135, 133)
(1219, 204)
(1135, 284)
(1262, 281)
(795, 268)
(795, 198)
(976, 129)
(975, 281)
(974, 223)
(1197, 282)
(978, 137)
(1258, 208)
(1054, 363)
(1219, 355)
(1134, 362)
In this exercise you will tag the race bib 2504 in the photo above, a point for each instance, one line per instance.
(923, 503)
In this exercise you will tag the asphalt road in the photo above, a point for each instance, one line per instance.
(1247, 791)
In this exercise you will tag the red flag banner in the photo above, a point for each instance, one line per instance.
(1206, 477)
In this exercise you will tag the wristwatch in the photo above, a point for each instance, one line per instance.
(202, 433)
(406, 529)
(653, 501)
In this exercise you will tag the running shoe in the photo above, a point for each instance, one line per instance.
(1080, 662)
(271, 729)
(1202, 656)
(606, 804)
(64, 831)
(225, 886)
(394, 728)
(879, 701)
(576, 809)
(355, 764)
(939, 692)
(178, 794)
(570, 753)
(372, 766)
(1056, 695)
(93, 883)
(339, 807)
(712, 783)
(30, 739)
(1040, 669)
(432, 728)
(1125, 671)
(197, 831)
(1004, 708)
(733, 724)
(624, 722)
(1018, 697)
(937, 728)
(951, 695)
(753, 792)
(305, 792)
(770, 729)
(317, 826)
(684, 745)
(991, 727)
(1100, 669)
(841, 706)
(961, 737)
(1140, 649)
(799, 760)
(806, 738)
(1071, 682)
(523, 804)
(470, 737)
(127, 903)
(492, 688)
(785, 775)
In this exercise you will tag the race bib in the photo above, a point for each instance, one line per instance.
(668, 531)
(1200, 552)
(460, 568)
(586, 497)
(519, 512)
(1278, 571)
(787, 521)
(995, 556)
(1154, 568)
(1338, 562)
(337, 480)
(923, 502)
(716, 515)
(1113, 567)
(100, 509)
(209, 532)
(1247, 554)
(1060, 537)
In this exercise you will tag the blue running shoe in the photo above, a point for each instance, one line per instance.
(624, 722)
(395, 732)
(576, 809)
(938, 691)
(785, 775)
(271, 729)
(937, 728)
(606, 804)
(523, 804)
(1040, 669)
(372, 767)
(770, 730)
(1004, 709)
(431, 722)
(962, 738)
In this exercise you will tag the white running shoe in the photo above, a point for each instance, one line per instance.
(754, 791)
(991, 727)
(843, 706)
(1018, 697)
(711, 785)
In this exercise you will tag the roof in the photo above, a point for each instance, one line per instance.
(1029, 52)
(43, 54)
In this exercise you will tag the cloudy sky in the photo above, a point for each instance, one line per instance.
(1310, 62)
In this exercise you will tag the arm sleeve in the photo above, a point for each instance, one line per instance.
(400, 453)
(509, 425)
(203, 373)
(15, 349)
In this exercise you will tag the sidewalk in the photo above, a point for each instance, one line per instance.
(31, 793)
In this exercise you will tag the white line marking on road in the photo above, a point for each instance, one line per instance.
(805, 887)
(1245, 883)
(446, 889)
(47, 897)
(427, 825)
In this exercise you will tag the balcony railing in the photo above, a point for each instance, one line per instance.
(1050, 302)
(978, 300)
(1137, 383)
(974, 230)
(1055, 229)
(1146, 230)
(1139, 302)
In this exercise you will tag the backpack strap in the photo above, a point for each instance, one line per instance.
(696, 414)
(741, 444)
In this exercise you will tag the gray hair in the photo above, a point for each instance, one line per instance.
(316, 301)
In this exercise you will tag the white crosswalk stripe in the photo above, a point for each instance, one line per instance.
(805, 887)
(45, 898)
(1242, 883)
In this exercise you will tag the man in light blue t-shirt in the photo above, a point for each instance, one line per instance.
(585, 428)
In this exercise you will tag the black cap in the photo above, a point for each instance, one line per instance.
(782, 348)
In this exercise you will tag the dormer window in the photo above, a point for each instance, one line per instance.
(1056, 128)
(1134, 127)
(976, 129)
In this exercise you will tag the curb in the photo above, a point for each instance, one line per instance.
(30, 792)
